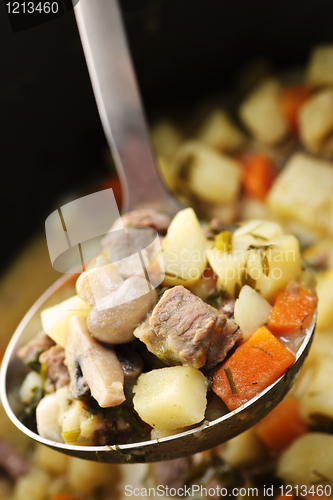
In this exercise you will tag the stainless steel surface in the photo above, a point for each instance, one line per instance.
(119, 104)
(203, 437)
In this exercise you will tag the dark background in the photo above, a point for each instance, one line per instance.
(51, 139)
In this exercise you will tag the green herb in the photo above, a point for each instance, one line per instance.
(265, 265)
(34, 366)
(230, 380)
(215, 298)
(263, 350)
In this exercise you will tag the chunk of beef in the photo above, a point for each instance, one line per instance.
(183, 329)
(12, 462)
(56, 371)
(172, 473)
(144, 217)
(30, 352)
(130, 248)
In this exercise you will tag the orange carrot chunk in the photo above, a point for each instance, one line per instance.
(282, 425)
(259, 173)
(254, 365)
(293, 309)
(291, 100)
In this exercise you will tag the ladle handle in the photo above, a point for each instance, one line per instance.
(119, 104)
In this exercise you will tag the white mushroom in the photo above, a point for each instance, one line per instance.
(99, 364)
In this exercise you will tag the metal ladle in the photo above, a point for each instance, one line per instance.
(120, 108)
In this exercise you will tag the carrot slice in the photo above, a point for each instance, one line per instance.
(282, 425)
(254, 365)
(259, 173)
(293, 309)
(291, 100)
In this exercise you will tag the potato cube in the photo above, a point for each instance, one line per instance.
(254, 232)
(171, 398)
(317, 398)
(251, 311)
(184, 250)
(55, 319)
(87, 477)
(219, 132)
(212, 177)
(245, 448)
(166, 138)
(320, 69)
(325, 301)
(228, 267)
(272, 266)
(262, 115)
(316, 120)
(303, 192)
(308, 460)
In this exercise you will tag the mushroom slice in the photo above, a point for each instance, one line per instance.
(122, 311)
(99, 365)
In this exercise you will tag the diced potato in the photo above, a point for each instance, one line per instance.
(317, 398)
(50, 460)
(228, 267)
(212, 177)
(254, 232)
(271, 267)
(262, 115)
(49, 414)
(32, 486)
(79, 425)
(303, 192)
(184, 250)
(168, 172)
(86, 476)
(251, 311)
(245, 448)
(320, 69)
(219, 132)
(316, 120)
(166, 138)
(55, 319)
(325, 301)
(265, 265)
(308, 460)
(171, 398)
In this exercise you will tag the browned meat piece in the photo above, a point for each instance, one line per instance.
(144, 217)
(30, 352)
(12, 462)
(131, 363)
(172, 473)
(183, 329)
(56, 371)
